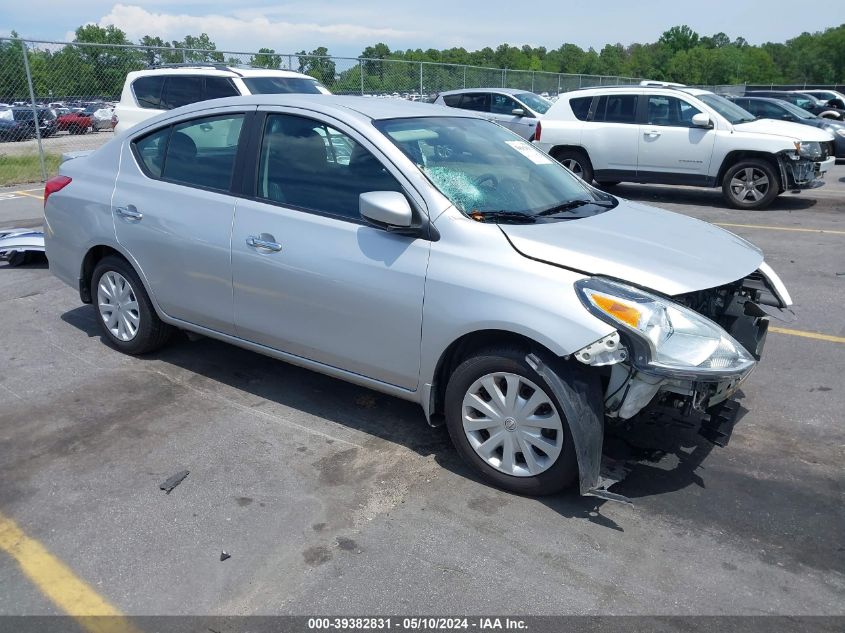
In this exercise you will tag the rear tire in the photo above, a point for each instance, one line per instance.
(576, 161)
(750, 184)
(125, 313)
(522, 416)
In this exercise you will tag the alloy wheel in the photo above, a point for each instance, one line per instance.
(750, 184)
(118, 306)
(512, 424)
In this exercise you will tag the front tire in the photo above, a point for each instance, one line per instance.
(576, 161)
(124, 310)
(506, 423)
(750, 184)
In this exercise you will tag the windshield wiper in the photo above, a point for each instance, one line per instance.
(503, 216)
(572, 205)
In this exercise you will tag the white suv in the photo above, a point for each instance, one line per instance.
(150, 92)
(683, 136)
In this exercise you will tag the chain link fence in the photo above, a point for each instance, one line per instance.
(58, 97)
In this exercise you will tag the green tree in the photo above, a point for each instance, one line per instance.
(266, 58)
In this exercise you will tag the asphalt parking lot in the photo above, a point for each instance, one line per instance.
(334, 499)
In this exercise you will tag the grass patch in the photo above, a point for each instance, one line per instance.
(17, 170)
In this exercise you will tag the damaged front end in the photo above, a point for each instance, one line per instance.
(678, 358)
(805, 167)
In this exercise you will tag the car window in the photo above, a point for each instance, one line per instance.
(452, 100)
(670, 111)
(307, 164)
(616, 109)
(180, 90)
(148, 91)
(150, 150)
(802, 102)
(201, 152)
(219, 87)
(477, 101)
(284, 85)
(502, 104)
(580, 107)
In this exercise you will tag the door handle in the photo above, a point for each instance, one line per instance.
(257, 242)
(653, 133)
(129, 212)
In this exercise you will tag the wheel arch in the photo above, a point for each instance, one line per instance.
(97, 253)
(738, 155)
(563, 147)
(462, 348)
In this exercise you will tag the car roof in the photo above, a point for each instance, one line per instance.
(507, 91)
(217, 71)
(336, 104)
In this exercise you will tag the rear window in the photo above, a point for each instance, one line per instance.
(181, 90)
(580, 107)
(148, 91)
(284, 85)
(453, 101)
(616, 109)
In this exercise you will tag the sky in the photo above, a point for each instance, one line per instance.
(347, 26)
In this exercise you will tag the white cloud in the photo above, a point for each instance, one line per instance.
(245, 32)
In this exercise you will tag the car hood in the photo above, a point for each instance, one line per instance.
(645, 246)
(795, 131)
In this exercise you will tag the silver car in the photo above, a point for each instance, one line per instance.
(517, 110)
(422, 252)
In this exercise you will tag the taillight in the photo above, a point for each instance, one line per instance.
(537, 131)
(56, 183)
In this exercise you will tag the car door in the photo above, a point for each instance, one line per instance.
(502, 107)
(311, 278)
(610, 136)
(173, 214)
(672, 149)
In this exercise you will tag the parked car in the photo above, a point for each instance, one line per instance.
(46, 120)
(101, 119)
(682, 136)
(766, 108)
(517, 110)
(803, 100)
(150, 92)
(12, 130)
(833, 98)
(75, 122)
(447, 262)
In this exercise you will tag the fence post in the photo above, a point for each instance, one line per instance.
(504, 77)
(465, 76)
(34, 109)
(580, 77)
(361, 72)
(184, 56)
(532, 81)
(558, 83)
(421, 80)
(290, 62)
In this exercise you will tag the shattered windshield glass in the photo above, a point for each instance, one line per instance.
(488, 172)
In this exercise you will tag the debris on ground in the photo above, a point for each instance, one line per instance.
(224, 555)
(174, 481)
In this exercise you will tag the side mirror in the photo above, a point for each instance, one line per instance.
(386, 209)
(701, 120)
(518, 112)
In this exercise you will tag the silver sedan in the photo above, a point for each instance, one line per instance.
(422, 252)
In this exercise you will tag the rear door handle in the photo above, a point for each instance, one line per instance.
(129, 212)
(264, 241)
(653, 133)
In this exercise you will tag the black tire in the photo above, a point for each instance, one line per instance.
(152, 332)
(576, 161)
(740, 197)
(563, 472)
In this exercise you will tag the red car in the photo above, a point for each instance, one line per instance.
(75, 122)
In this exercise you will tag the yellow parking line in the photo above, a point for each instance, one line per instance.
(56, 581)
(28, 195)
(813, 335)
(779, 228)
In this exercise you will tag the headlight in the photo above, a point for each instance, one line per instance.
(667, 337)
(808, 149)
